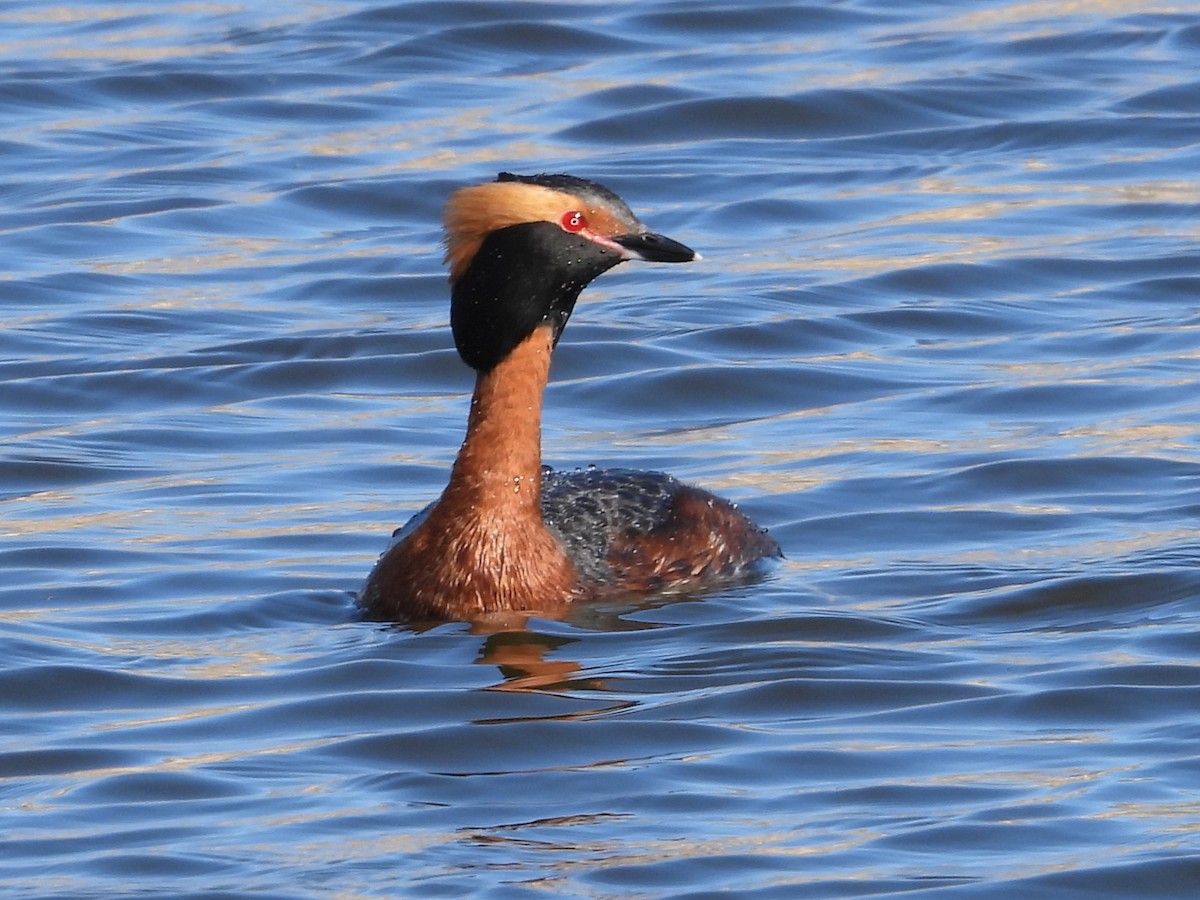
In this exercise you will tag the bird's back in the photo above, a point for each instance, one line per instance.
(629, 530)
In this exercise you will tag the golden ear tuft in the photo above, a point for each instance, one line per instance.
(474, 212)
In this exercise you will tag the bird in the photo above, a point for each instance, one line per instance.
(508, 534)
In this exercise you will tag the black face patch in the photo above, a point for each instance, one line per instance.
(522, 276)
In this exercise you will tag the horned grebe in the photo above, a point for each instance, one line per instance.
(507, 534)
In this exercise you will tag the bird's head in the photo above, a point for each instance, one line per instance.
(521, 248)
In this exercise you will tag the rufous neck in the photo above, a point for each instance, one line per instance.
(499, 465)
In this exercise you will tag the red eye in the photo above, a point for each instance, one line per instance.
(573, 221)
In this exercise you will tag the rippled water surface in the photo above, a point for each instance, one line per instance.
(944, 343)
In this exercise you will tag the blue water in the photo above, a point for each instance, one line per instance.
(944, 343)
